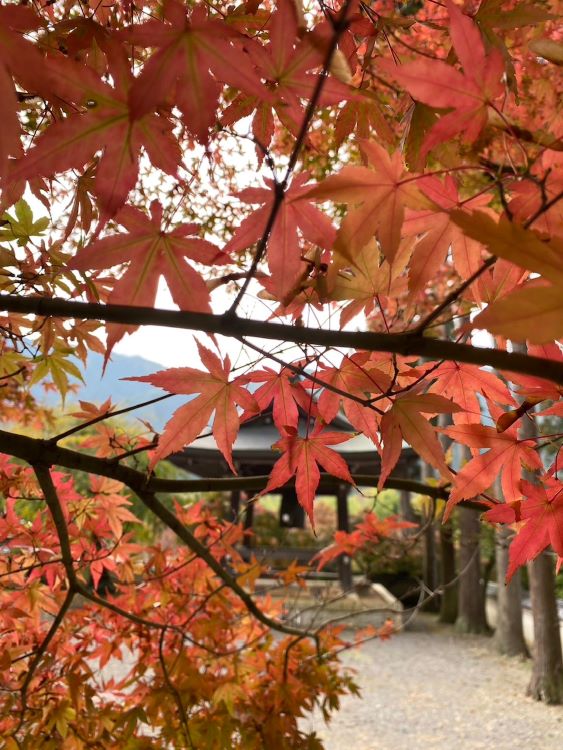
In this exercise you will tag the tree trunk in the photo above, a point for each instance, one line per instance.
(546, 683)
(471, 616)
(509, 633)
(407, 511)
(448, 600)
(429, 549)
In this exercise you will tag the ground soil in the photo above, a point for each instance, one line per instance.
(430, 688)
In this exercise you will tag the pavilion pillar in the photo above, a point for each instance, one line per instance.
(235, 505)
(406, 508)
(247, 525)
(343, 523)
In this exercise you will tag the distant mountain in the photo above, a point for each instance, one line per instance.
(97, 387)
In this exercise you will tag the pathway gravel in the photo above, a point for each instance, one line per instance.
(430, 688)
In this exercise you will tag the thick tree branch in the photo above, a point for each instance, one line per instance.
(150, 501)
(33, 450)
(230, 325)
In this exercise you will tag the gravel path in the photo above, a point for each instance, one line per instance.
(431, 689)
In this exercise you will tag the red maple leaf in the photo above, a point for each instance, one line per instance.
(101, 121)
(383, 189)
(196, 56)
(17, 58)
(302, 457)
(441, 86)
(505, 456)
(152, 251)
(359, 376)
(286, 64)
(541, 512)
(439, 234)
(464, 383)
(404, 421)
(284, 252)
(285, 391)
(368, 532)
(217, 394)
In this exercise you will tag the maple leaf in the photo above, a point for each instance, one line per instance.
(441, 86)
(296, 212)
(463, 383)
(90, 411)
(302, 457)
(505, 456)
(196, 55)
(345, 543)
(284, 390)
(534, 311)
(363, 116)
(111, 505)
(103, 123)
(368, 532)
(152, 251)
(404, 421)
(511, 241)
(357, 375)
(285, 63)
(440, 234)
(21, 59)
(540, 518)
(216, 394)
(382, 190)
(537, 389)
(543, 186)
(366, 282)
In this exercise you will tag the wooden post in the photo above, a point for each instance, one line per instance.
(343, 523)
(247, 525)
(406, 508)
(235, 505)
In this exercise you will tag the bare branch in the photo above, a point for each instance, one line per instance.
(406, 343)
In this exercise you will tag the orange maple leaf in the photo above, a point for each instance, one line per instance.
(380, 193)
(302, 457)
(152, 251)
(216, 395)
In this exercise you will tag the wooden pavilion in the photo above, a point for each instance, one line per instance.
(253, 455)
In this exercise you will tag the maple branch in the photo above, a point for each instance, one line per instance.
(339, 26)
(407, 343)
(367, 402)
(453, 296)
(44, 478)
(174, 692)
(107, 415)
(34, 450)
(45, 481)
(150, 501)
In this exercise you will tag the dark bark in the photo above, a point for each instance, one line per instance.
(429, 576)
(471, 613)
(449, 597)
(231, 325)
(407, 511)
(509, 633)
(343, 522)
(546, 683)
